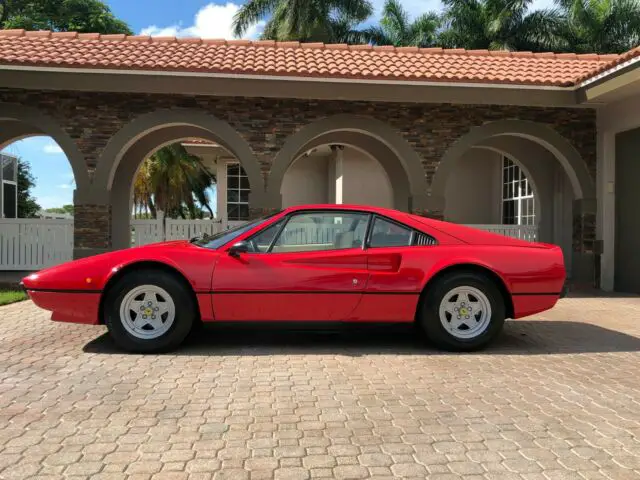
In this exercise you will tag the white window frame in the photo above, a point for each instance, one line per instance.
(523, 194)
(4, 181)
(237, 189)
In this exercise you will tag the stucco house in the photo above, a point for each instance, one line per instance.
(545, 143)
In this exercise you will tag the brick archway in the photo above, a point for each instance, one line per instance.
(125, 152)
(400, 161)
(217, 130)
(530, 143)
(19, 121)
(543, 135)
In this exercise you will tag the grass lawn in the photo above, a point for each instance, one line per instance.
(11, 296)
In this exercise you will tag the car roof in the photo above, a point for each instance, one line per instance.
(332, 206)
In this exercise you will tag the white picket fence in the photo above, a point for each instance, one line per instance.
(144, 232)
(523, 232)
(35, 243)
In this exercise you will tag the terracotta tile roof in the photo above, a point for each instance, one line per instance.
(73, 50)
(617, 60)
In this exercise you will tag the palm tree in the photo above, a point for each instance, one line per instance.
(500, 25)
(600, 26)
(172, 180)
(397, 29)
(304, 20)
(143, 192)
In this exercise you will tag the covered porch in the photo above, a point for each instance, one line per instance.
(469, 149)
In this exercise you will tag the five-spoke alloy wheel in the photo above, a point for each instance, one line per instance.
(462, 311)
(147, 312)
(465, 312)
(140, 311)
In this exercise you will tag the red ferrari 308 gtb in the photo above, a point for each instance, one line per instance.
(310, 263)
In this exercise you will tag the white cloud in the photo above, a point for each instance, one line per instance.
(52, 149)
(65, 186)
(211, 21)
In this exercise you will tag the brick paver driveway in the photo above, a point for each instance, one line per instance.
(557, 397)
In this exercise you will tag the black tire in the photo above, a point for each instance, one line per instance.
(429, 315)
(185, 313)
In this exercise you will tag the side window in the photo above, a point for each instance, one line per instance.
(261, 241)
(389, 234)
(317, 231)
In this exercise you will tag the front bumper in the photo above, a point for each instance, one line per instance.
(69, 306)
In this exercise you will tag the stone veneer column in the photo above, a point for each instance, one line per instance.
(263, 203)
(91, 230)
(586, 254)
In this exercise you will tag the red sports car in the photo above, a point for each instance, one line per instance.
(310, 263)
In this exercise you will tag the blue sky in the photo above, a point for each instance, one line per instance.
(198, 18)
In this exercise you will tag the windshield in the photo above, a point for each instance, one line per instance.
(218, 239)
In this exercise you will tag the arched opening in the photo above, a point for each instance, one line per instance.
(517, 178)
(42, 173)
(490, 186)
(343, 174)
(218, 152)
(348, 159)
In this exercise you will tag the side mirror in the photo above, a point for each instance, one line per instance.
(238, 248)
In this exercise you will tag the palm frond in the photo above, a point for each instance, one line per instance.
(251, 13)
(424, 30)
(376, 35)
(355, 11)
(542, 30)
(395, 21)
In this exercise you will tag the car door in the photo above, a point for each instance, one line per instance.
(395, 282)
(309, 266)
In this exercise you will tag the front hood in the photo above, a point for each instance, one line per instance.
(93, 273)
(114, 257)
(168, 244)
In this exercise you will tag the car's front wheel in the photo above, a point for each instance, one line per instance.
(149, 311)
(462, 311)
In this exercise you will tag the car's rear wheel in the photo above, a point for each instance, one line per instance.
(462, 311)
(149, 311)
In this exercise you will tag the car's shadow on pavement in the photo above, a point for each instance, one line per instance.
(524, 337)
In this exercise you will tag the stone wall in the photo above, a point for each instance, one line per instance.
(91, 119)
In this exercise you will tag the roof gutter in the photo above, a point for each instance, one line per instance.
(611, 79)
(271, 86)
(281, 78)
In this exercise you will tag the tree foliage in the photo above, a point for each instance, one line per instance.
(499, 25)
(304, 20)
(396, 28)
(27, 205)
(600, 26)
(85, 16)
(583, 26)
(173, 181)
(66, 209)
